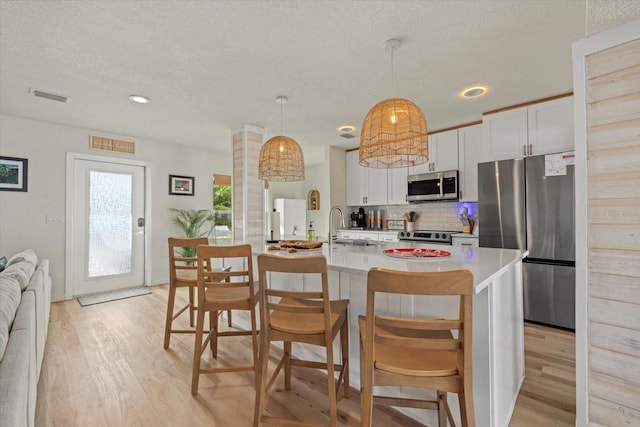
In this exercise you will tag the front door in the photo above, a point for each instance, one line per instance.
(107, 226)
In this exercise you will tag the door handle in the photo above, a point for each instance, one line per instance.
(140, 222)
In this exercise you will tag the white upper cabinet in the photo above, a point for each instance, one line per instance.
(505, 134)
(355, 179)
(443, 153)
(551, 126)
(376, 186)
(397, 186)
(469, 152)
(365, 186)
(546, 127)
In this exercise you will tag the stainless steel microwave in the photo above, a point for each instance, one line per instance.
(432, 186)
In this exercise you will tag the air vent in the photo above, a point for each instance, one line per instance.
(347, 135)
(51, 96)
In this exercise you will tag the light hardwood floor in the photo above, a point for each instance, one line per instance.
(104, 365)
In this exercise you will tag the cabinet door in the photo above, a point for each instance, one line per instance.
(551, 126)
(397, 186)
(423, 167)
(505, 134)
(444, 146)
(376, 186)
(469, 151)
(355, 175)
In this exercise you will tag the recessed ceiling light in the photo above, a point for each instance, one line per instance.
(474, 91)
(139, 99)
(348, 128)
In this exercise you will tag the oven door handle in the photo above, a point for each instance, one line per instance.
(441, 185)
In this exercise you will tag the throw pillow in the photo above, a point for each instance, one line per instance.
(28, 255)
(3, 263)
(21, 272)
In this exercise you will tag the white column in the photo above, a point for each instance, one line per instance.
(248, 208)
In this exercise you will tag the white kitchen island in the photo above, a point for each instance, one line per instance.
(498, 342)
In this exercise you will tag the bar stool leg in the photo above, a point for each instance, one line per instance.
(169, 322)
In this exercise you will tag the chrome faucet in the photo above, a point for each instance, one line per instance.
(331, 221)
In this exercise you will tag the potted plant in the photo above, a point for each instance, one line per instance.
(193, 223)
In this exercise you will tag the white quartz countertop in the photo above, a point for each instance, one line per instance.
(465, 235)
(484, 263)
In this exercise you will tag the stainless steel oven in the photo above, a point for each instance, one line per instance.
(427, 236)
(432, 186)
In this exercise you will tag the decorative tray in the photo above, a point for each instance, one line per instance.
(300, 244)
(416, 253)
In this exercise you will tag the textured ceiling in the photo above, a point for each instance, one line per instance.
(211, 66)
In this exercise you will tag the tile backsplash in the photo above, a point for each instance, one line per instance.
(443, 216)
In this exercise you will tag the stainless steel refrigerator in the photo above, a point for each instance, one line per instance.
(529, 204)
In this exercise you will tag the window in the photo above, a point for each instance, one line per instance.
(222, 233)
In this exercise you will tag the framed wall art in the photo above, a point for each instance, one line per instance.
(181, 185)
(395, 224)
(13, 173)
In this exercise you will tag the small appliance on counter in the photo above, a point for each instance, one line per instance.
(359, 220)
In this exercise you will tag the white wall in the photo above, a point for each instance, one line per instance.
(328, 177)
(22, 215)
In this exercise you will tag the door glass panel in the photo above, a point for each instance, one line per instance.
(110, 228)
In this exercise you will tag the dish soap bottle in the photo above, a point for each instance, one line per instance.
(311, 234)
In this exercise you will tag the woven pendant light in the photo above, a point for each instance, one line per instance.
(394, 131)
(281, 157)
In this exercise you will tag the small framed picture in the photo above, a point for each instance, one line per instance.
(181, 185)
(395, 224)
(13, 173)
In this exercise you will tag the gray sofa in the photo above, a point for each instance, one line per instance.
(25, 303)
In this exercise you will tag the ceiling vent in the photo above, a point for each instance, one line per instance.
(51, 96)
(347, 135)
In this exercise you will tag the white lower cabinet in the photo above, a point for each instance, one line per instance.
(388, 236)
(464, 240)
(382, 236)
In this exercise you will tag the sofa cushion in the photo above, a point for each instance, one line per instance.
(10, 295)
(27, 255)
(20, 271)
(18, 384)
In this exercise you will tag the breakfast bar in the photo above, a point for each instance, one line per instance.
(498, 342)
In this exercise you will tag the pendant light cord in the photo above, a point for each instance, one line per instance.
(281, 109)
(393, 83)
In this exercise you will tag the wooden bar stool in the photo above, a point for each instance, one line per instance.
(220, 290)
(182, 274)
(396, 351)
(302, 317)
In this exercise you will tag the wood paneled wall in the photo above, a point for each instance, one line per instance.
(248, 208)
(613, 219)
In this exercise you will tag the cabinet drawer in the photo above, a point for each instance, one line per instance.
(388, 237)
(464, 241)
